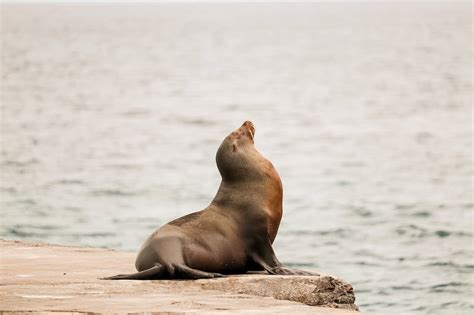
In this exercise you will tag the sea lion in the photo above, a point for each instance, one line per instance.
(234, 234)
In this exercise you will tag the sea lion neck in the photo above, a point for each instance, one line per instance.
(263, 195)
(236, 194)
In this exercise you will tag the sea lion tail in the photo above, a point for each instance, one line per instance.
(155, 272)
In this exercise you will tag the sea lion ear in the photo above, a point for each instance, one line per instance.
(234, 147)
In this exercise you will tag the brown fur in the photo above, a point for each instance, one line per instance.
(234, 233)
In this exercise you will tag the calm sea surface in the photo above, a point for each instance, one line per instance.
(112, 115)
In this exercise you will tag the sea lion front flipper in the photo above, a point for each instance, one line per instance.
(281, 270)
(190, 273)
(155, 272)
(267, 259)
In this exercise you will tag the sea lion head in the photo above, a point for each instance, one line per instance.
(237, 157)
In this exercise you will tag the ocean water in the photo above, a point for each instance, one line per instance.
(111, 116)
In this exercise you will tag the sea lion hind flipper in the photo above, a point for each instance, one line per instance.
(186, 272)
(155, 272)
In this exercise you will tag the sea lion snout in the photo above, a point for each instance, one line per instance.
(247, 129)
(250, 127)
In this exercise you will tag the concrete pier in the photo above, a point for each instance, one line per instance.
(43, 278)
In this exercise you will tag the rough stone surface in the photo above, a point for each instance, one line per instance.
(50, 278)
(315, 291)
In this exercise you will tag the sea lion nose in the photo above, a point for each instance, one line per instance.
(250, 126)
(247, 123)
